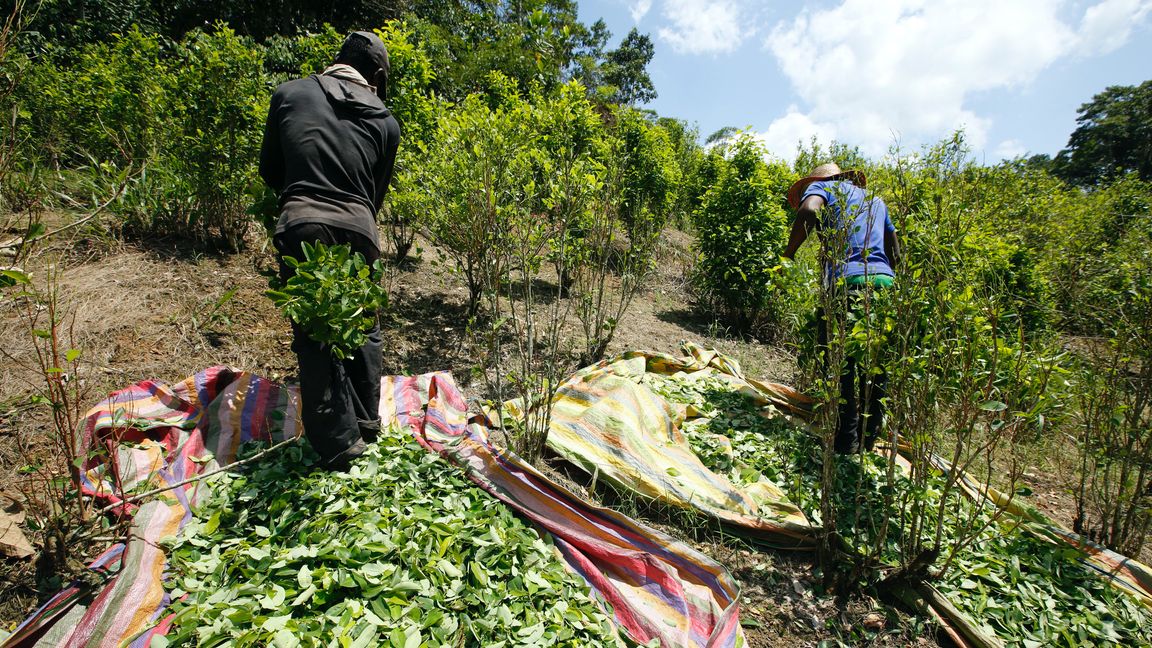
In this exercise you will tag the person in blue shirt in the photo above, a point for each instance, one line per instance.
(835, 202)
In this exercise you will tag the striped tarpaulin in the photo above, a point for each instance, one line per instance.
(608, 423)
(1125, 573)
(160, 435)
(658, 587)
(612, 426)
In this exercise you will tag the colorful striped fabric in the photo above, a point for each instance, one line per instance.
(658, 588)
(160, 435)
(617, 429)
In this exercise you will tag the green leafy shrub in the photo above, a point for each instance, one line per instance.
(416, 107)
(335, 296)
(70, 24)
(1096, 254)
(742, 228)
(219, 101)
(629, 177)
(650, 175)
(478, 173)
(1113, 423)
(187, 115)
(108, 103)
(291, 57)
(689, 157)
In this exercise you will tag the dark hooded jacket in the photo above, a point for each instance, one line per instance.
(329, 150)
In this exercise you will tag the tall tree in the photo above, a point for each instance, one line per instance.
(587, 55)
(625, 68)
(528, 41)
(1114, 137)
(721, 135)
(71, 23)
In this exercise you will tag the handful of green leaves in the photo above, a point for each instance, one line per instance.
(334, 296)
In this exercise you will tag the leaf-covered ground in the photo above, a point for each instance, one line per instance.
(401, 551)
(1024, 590)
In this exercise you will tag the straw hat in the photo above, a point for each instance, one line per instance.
(828, 171)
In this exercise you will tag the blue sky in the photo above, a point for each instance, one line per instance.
(1012, 73)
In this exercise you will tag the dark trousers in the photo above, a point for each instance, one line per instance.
(862, 389)
(340, 399)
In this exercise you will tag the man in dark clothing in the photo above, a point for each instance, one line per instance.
(835, 201)
(329, 151)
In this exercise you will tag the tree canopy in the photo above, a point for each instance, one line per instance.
(531, 42)
(1114, 137)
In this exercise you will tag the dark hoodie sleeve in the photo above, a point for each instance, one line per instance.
(271, 154)
(391, 138)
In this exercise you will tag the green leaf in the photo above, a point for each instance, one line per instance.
(274, 600)
(304, 596)
(285, 639)
(13, 277)
(35, 230)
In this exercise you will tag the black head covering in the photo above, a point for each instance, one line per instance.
(364, 51)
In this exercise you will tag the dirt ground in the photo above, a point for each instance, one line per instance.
(159, 311)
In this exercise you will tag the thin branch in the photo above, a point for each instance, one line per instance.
(19, 242)
(163, 489)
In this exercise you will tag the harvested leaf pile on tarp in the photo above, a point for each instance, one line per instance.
(662, 592)
(401, 551)
(606, 421)
(1025, 582)
(377, 586)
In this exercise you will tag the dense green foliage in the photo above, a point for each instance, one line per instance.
(477, 179)
(1113, 138)
(743, 227)
(184, 118)
(624, 72)
(112, 90)
(333, 295)
(402, 551)
(538, 195)
(216, 110)
(1020, 313)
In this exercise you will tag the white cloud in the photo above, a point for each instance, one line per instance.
(639, 9)
(872, 71)
(703, 26)
(1009, 149)
(1107, 25)
(786, 133)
